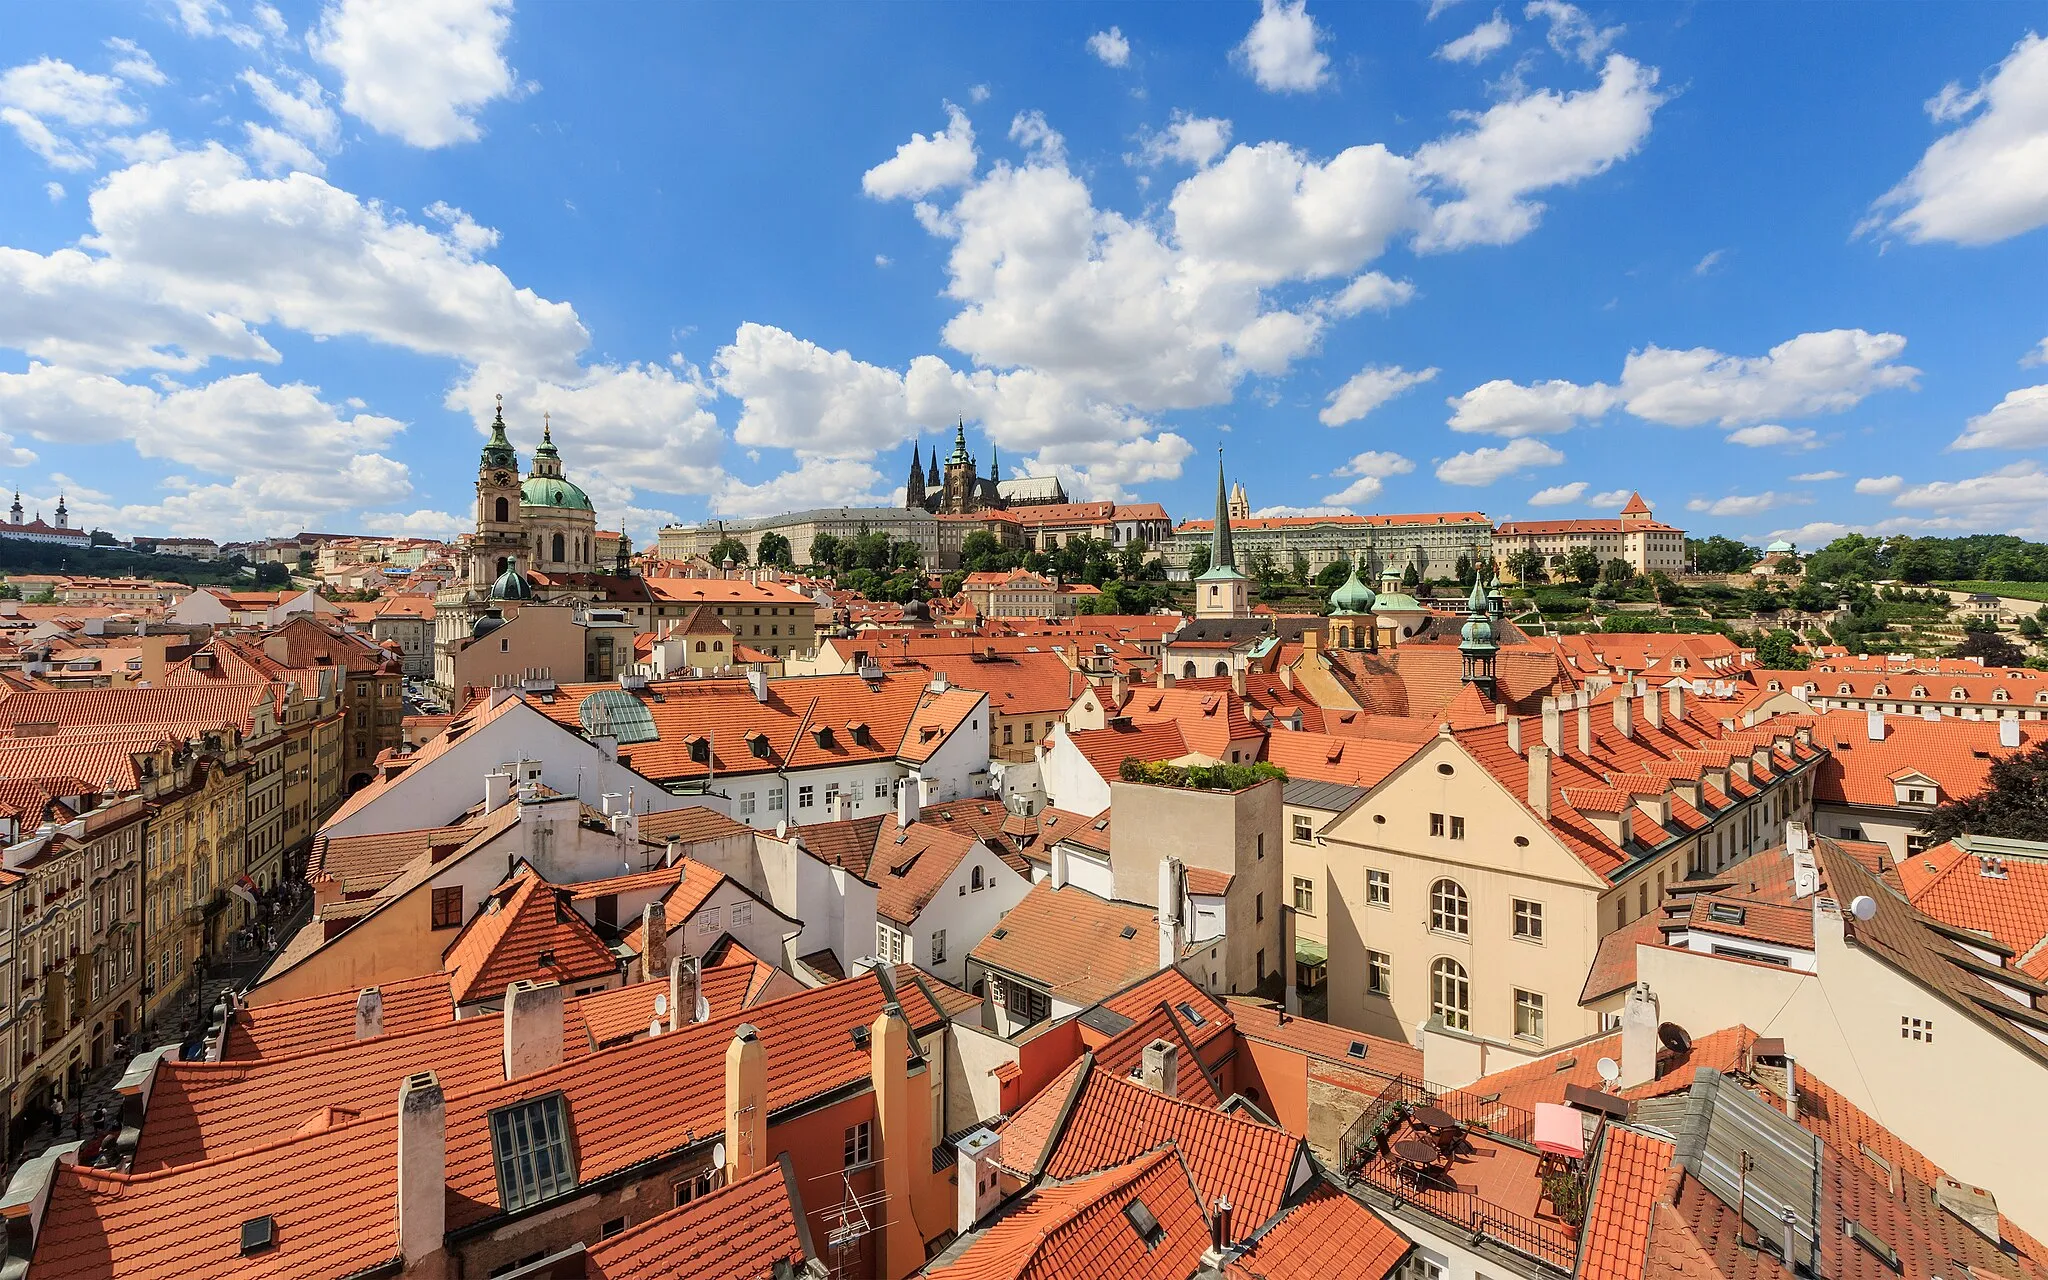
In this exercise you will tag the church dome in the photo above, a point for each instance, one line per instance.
(554, 493)
(512, 585)
(486, 623)
(1478, 633)
(1353, 596)
(1779, 546)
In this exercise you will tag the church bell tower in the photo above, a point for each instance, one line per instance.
(498, 534)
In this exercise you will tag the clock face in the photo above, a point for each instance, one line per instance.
(502, 477)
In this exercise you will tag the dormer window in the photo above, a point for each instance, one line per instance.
(822, 735)
(757, 743)
(1919, 691)
(530, 1147)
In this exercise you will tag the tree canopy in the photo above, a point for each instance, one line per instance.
(774, 548)
(728, 548)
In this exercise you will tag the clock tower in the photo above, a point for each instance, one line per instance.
(498, 535)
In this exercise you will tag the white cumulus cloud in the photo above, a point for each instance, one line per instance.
(1485, 466)
(1572, 32)
(418, 70)
(1504, 408)
(1371, 469)
(1480, 43)
(1280, 50)
(1738, 504)
(1773, 436)
(1987, 179)
(1880, 484)
(1187, 138)
(926, 164)
(1368, 389)
(1813, 373)
(2020, 421)
(1559, 495)
(1816, 477)
(1110, 47)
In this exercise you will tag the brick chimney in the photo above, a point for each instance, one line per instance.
(1159, 1068)
(1639, 1037)
(904, 1144)
(422, 1167)
(533, 1027)
(1539, 779)
(682, 991)
(746, 1103)
(369, 1013)
(653, 941)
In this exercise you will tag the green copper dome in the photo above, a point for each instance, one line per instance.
(550, 491)
(512, 585)
(1353, 596)
(498, 451)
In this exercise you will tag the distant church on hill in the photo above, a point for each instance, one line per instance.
(961, 488)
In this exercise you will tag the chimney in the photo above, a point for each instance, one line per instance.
(1172, 878)
(369, 1013)
(1624, 714)
(1218, 1251)
(1539, 779)
(746, 1103)
(1874, 729)
(2009, 733)
(1585, 728)
(906, 802)
(1639, 1037)
(674, 853)
(1059, 865)
(422, 1167)
(904, 1145)
(976, 1158)
(682, 992)
(653, 941)
(1805, 871)
(1237, 681)
(1514, 724)
(1159, 1068)
(1653, 711)
(1119, 691)
(1553, 725)
(497, 790)
(757, 681)
(533, 1027)
(835, 808)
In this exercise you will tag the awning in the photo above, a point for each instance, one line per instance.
(1308, 952)
(1559, 1130)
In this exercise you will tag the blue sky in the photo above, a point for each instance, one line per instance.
(1780, 268)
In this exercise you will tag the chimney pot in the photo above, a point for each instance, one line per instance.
(683, 1000)
(533, 1027)
(1159, 1068)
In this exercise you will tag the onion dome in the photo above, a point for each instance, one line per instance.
(1353, 596)
(490, 620)
(512, 584)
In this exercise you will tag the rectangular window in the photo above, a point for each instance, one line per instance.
(775, 798)
(805, 797)
(1457, 827)
(882, 789)
(1304, 896)
(1528, 1016)
(448, 907)
(882, 934)
(746, 804)
(1528, 920)
(1009, 730)
(938, 951)
(1258, 908)
(858, 1148)
(530, 1145)
(1379, 889)
(1436, 824)
(707, 922)
(1304, 830)
(742, 914)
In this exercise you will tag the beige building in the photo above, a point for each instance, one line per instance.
(1470, 888)
(938, 536)
(1636, 536)
(770, 616)
(1430, 541)
(1118, 523)
(520, 638)
(1018, 593)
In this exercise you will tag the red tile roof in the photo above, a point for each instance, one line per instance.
(1544, 1079)
(1328, 1236)
(738, 1232)
(1072, 943)
(526, 931)
(1324, 1040)
(366, 863)
(1347, 759)
(1631, 1175)
(327, 1021)
(1079, 1231)
(911, 864)
(1956, 753)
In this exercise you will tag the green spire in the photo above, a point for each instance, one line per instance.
(498, 451)
(960, 444)
(547, 437)
(1220, 554)
(994, 464)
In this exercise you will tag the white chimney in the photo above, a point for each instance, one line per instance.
(1553, 725)
(1539, 779)
(1514, 724)
(1624, 715)
(682, 992)
(369, 1013)
(1675, 696)
(1159, 1068)
(757, 681)
(653, 941)
(1653, 711)
(1875, 726)
(1585, 728)
(2009, 732)
(497, 790)
(835, 808)
(976, 1159)
(533, 1027)
(1059, 865)
(611, 803)
(1805, 872)
(1639, 1037)
(906, 802)
(422, 1167)
(1172, 879)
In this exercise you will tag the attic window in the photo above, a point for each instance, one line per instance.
(1357, 1049)
(860, 1037)
(1144, 1223)
(1000, 934)
(1725, 913)
(530, 1146)
(1128, 931)
(822, 735)
(857, 730)
(1188, 1011)
(699, 747)
(1869, 1239)
(258, 1234)
(757, 742)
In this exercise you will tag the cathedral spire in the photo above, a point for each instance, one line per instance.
(1221, 555)
(913, 490)
(960, 443)
(994, 464)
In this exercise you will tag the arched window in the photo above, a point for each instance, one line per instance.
(1882, 692)
(1919, 690)
(1956, 695)
(1449, 910)
(975, 881)
(1998, 695)
(1450, 993)
(559, 547)
(504, 511)
(1187, 671)
(1222, 668)
(700, 646)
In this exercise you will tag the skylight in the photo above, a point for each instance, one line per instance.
(616, 713)
(1144, 1223)
(530, 1145)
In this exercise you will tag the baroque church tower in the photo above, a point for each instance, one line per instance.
(498, 538)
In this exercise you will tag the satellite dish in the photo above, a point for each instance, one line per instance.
(703, 1009)
(1673, 1037)
(1609, 1069)
(1863, 906)
(660, 1005)
(718, 1155)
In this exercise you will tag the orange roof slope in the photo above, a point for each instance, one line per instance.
(1617, 1233)
(1079, 1231)
(325, 1021)
(738, 1232)
(1115, 1120)
(1328, 1236)
(1074, 943)
(912, 863)
(525, 931)
(1956, 753)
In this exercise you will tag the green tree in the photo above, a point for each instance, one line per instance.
(8, 591)
(1198, 562)
(774, 549)
(1917, 562)
(1301, 573)
(2013, 803)
(48, 595)
(1527, 566)
(1991, 647)
(2030, 627)
(1410, 579)
(1332, 575)
(272, 573)
(1582, 566)
(1132, 559)
(983, 552)
(1263, 567)
(825, 551)
(1778, 650)
(1720, 555)
(1618, 574)
(950, 584)
(728, 548)
(1463, 570)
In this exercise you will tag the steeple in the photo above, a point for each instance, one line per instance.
(14, 512)
(960, 445)
(934, 477)
(994, 465)
(498, 451)
(547, 460)
(1476, 644)
(913, 489)
(1220, 554)
(63, 515)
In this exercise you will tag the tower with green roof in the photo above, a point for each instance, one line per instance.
(1222, 592)
(1477, 647)
(1351, 618)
